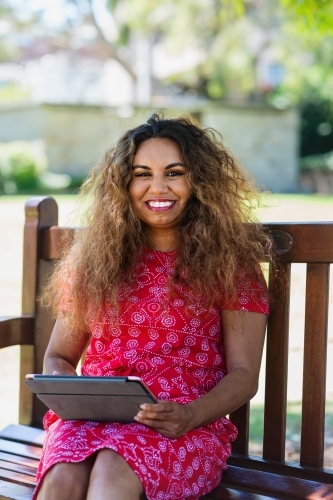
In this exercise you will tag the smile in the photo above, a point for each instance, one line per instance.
(160, 204)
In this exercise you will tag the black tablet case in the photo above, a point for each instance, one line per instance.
(103, 399)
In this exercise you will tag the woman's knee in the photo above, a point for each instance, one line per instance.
(111, 467)
(69, 480)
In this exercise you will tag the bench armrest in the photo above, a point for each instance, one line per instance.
(16, 330)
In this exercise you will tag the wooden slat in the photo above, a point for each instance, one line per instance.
(16, 459)
(23, 434)
(312, 242)
(241, 418)
(276, 374)
(41, 212)
(291, 469)
(12, 491)
(273, 484)
(230, 493)
(17, 477)
(54, 237)
(314, 368)
(20, 449)
(16, 331)
(26, 397)
(302, 249)
(43, 328)
(23, 469)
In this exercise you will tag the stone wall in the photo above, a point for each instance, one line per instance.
(265, 140)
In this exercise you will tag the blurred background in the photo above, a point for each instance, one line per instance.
(74, 74)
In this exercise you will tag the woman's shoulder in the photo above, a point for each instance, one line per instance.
(251, 293)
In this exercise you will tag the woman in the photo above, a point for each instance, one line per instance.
(163, 282)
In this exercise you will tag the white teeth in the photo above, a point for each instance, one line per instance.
(158, 204)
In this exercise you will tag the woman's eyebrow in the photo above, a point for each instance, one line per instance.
(176, 164)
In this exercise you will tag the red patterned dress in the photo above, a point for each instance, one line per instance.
(179, 354)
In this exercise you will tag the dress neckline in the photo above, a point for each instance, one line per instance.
(160, 252)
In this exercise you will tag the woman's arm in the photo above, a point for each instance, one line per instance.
(244, 334)
(63, 353)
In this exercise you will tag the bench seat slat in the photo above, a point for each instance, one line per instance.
(228, 492)
(314, 368)
(291, 469)
(17, 468)
(266, 482)
(17, 477)
(12, 491)
(20, 449)
(17, 459)
(276, 374)
(23, 434)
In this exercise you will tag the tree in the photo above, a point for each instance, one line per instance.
(311, 17)
(232, 39)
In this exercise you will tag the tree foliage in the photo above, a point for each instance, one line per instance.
(233, 40)
(311, 17)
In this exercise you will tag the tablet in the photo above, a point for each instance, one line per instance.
(102, 399)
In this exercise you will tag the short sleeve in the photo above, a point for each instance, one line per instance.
(252, 294)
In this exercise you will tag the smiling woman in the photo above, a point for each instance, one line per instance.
(159, 190)
(163, 283)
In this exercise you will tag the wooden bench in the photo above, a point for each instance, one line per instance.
(248, 477)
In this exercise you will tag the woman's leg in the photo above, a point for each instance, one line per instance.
(67, 481)
(112, 478)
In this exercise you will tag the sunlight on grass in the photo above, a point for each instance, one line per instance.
(293, 421)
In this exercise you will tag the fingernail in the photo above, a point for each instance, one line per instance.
(143, 406)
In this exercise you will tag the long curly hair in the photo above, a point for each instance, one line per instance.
(214, 240)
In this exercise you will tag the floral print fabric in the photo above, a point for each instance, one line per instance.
(178, 351)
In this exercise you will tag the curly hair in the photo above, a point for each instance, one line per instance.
(214, 239)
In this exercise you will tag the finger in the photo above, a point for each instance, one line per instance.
(151, 415)
(147, 421)
(158, 425)
(162, 407)
(161, 428)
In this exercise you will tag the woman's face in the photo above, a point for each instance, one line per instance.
(159, 188)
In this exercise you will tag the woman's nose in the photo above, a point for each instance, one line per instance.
(158, 185)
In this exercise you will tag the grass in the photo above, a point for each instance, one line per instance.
(293, 421)
(269, 199)
(302, 198)
(22, 198)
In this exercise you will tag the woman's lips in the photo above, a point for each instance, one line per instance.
(160, 205)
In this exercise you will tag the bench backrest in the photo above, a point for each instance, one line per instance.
(312, 243)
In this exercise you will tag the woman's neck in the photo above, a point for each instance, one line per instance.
(161, 241)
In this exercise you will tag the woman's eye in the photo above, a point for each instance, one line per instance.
(141, 174)
(174, 173)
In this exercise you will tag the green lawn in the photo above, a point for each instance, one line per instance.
(293, 424)
(301, 198)
(269, 198)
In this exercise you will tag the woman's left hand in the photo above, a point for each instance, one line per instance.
(168, 418)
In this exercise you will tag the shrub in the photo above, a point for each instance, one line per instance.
(21, 165)
(322, 162)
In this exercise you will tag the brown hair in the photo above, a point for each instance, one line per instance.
(214, 237)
